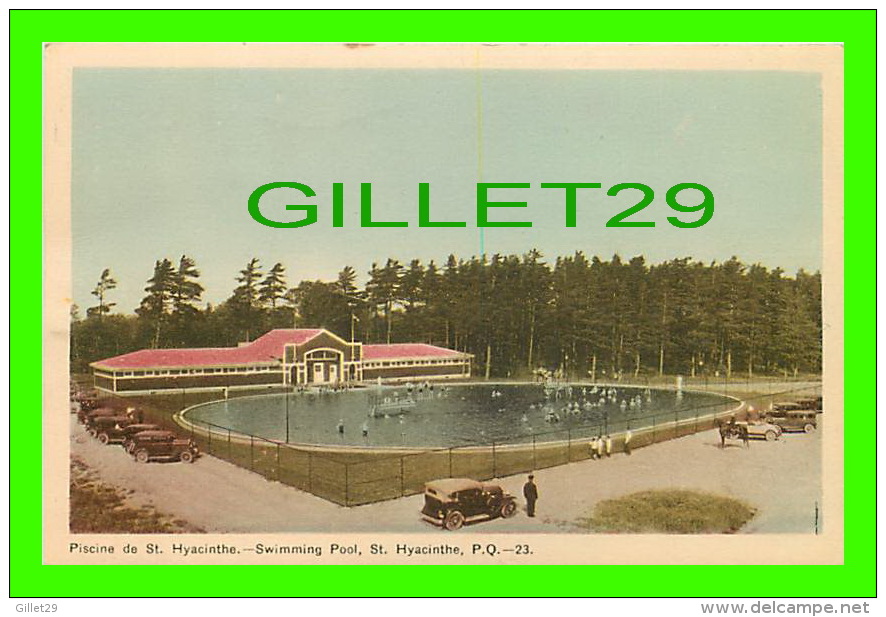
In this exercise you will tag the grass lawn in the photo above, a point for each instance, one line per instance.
(669, 511)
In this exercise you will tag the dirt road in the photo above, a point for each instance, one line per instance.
(781, 479)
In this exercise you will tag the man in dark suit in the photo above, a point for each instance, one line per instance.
(530, 492)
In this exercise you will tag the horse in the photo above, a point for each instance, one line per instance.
(733, 431)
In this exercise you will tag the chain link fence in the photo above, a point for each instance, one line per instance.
(351, 477)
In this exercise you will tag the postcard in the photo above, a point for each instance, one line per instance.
(443, 304)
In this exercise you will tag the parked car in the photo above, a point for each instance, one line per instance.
(150, 445)
(86, 399)
(806, 420)
(84, 415)
(813, 403)
(108, 429)
(452, 502)
(784, 406)
(130, 431)
(762, 429)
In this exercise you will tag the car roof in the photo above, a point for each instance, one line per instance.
(452, 485)
(155, 434)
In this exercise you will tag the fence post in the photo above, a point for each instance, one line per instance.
(493, 459)
(277, 470)
(402, 481)
(229, 444)
(310, 472)
(653, 428)
(569, 445)
(251, 451)
(209, 434)
(450, 462)
(346, 485)
(534, 456)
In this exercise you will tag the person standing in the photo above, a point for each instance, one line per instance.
(530, 492)
(628, 436)
(592, 446)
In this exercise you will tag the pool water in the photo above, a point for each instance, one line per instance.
(446, 415)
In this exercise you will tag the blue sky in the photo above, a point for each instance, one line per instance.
(164, 161)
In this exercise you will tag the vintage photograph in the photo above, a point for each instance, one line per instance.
(391, 303)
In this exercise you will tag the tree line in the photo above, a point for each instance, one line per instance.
(578, 316)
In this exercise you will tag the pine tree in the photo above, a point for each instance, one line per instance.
(186, 292)
(346, 281)
(156, 306)
(245, 304)
(273, 287)
(105, 284)
(383, 290)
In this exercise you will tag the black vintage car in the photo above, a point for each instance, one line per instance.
(85, 400)
(108, 429)
(793, 420)
(84, 415)
(813, 403)
(129, 432)
(150, 445)
(452, 502)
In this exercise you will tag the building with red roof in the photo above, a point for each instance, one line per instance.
(285, 357)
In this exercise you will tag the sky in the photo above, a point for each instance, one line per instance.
(164, 162)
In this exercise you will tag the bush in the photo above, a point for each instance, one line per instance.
(669, 511)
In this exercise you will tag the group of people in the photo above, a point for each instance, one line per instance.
(600, 446)
(421, 388)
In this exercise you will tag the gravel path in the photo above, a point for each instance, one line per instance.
(782, 479)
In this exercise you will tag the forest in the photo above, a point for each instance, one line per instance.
(576, 316)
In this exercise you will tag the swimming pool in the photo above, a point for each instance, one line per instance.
(435, 415)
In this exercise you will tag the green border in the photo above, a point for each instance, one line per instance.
(856, 29)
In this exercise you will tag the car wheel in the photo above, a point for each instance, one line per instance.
(508, 509)
(142, 456)
(771, 435)
(454, 520)
(104, 439)
(186, 457)
(809, 428)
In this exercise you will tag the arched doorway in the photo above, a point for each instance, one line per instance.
(323, 366)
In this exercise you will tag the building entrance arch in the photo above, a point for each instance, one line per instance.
(323, 366)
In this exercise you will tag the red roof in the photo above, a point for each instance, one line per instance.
(406, 350)
(265, 349)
